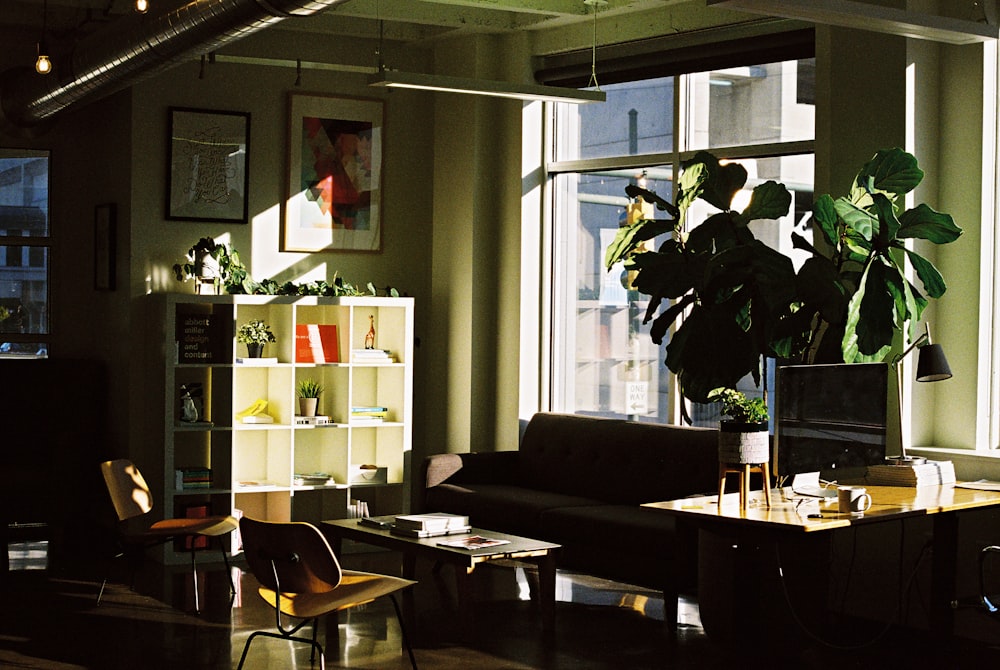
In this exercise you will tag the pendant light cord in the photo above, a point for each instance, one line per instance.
(593, 49)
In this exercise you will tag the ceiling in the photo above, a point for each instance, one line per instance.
(407, 21)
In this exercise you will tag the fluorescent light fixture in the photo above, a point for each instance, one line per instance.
(852, 14)
(497, 89)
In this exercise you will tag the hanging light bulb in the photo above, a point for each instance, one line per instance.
(43, 64)
(142, 6)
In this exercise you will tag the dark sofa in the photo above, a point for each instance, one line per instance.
(579, 481)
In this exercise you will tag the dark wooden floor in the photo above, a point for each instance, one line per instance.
(50, 619)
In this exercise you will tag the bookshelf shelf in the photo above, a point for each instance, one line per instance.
(196, 335)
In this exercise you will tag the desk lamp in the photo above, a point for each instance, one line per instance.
(932, 366)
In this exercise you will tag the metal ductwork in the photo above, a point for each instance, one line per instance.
(135, 48)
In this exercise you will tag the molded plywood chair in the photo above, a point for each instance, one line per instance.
(132, 499)
(301, 578)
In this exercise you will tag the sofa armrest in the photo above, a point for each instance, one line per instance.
(495, 467)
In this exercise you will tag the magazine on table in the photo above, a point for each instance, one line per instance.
(473, 542)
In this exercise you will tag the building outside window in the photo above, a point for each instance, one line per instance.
(25, 243)
(604, 363)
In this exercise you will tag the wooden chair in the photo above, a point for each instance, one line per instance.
(132, 500)
(301, 578)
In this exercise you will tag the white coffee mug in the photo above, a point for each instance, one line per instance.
(853, 499)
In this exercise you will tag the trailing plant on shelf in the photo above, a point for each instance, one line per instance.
(208, 259)
(310, 388)
(255, 332)
(742, 301)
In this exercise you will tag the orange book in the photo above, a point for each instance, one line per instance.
(316, 343)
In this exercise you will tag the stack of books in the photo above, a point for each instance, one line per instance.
(929, 473)
(430, 525)
(312, 479)
(373, 356)
(369, 414)
(193, 478)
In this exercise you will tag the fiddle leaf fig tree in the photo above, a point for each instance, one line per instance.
(742, 300)
(737, 288)
(861, 295)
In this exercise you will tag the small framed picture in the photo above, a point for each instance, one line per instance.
(334, 174)
(208, 172)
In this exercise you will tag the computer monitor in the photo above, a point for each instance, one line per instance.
(830, 419)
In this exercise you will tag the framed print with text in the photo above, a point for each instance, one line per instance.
(334, 174)
(208, 171)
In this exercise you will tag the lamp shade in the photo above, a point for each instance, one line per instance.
(932, 366)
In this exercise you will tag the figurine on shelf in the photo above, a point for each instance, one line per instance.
(189, 410)
(370, 336)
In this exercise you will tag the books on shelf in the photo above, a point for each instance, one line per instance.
(258, 418)
(192, 478)
(199, 338)
(369, 414)
(257, 361)
(433, 522)
(316, 343)
(372, 356)
(929, 473)
(318, 420)
(313, 479)
(473, 542)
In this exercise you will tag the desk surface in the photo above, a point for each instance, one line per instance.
(789, 511)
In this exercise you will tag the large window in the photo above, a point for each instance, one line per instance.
(24, 252)
(604, 362)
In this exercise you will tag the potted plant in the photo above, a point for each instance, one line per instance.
(742, 301)
(309, 391)
(743, 437)
(217, 264)
(255, 334)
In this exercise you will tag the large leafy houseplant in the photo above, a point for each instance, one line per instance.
(742, 300)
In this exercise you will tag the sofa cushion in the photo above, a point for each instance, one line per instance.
(623, 462)
(510, 509)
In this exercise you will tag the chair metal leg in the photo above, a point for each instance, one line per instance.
(991, 607)
(194, 578)
(402, 631)
(277, 636)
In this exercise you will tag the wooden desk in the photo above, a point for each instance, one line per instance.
(791, 517)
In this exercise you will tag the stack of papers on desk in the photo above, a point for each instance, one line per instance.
(930, 473)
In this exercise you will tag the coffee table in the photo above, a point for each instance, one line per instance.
(516, 548)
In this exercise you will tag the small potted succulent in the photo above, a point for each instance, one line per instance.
(255, 334)
(309, 392)
(743, 437)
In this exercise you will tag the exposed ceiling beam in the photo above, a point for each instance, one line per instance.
(852, 14)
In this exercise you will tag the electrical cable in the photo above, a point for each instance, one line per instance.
(834, 645)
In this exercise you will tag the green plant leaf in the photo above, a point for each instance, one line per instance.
(690, 186)
(722, 181)
(924, 223)
(869, 339)
(633, 191)
(858, 220)
(628, 238)
(888, 224)
(769, 200)
(929, 276)
(892, 171)
(826, 218)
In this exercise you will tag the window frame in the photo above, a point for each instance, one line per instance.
(552, 369)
